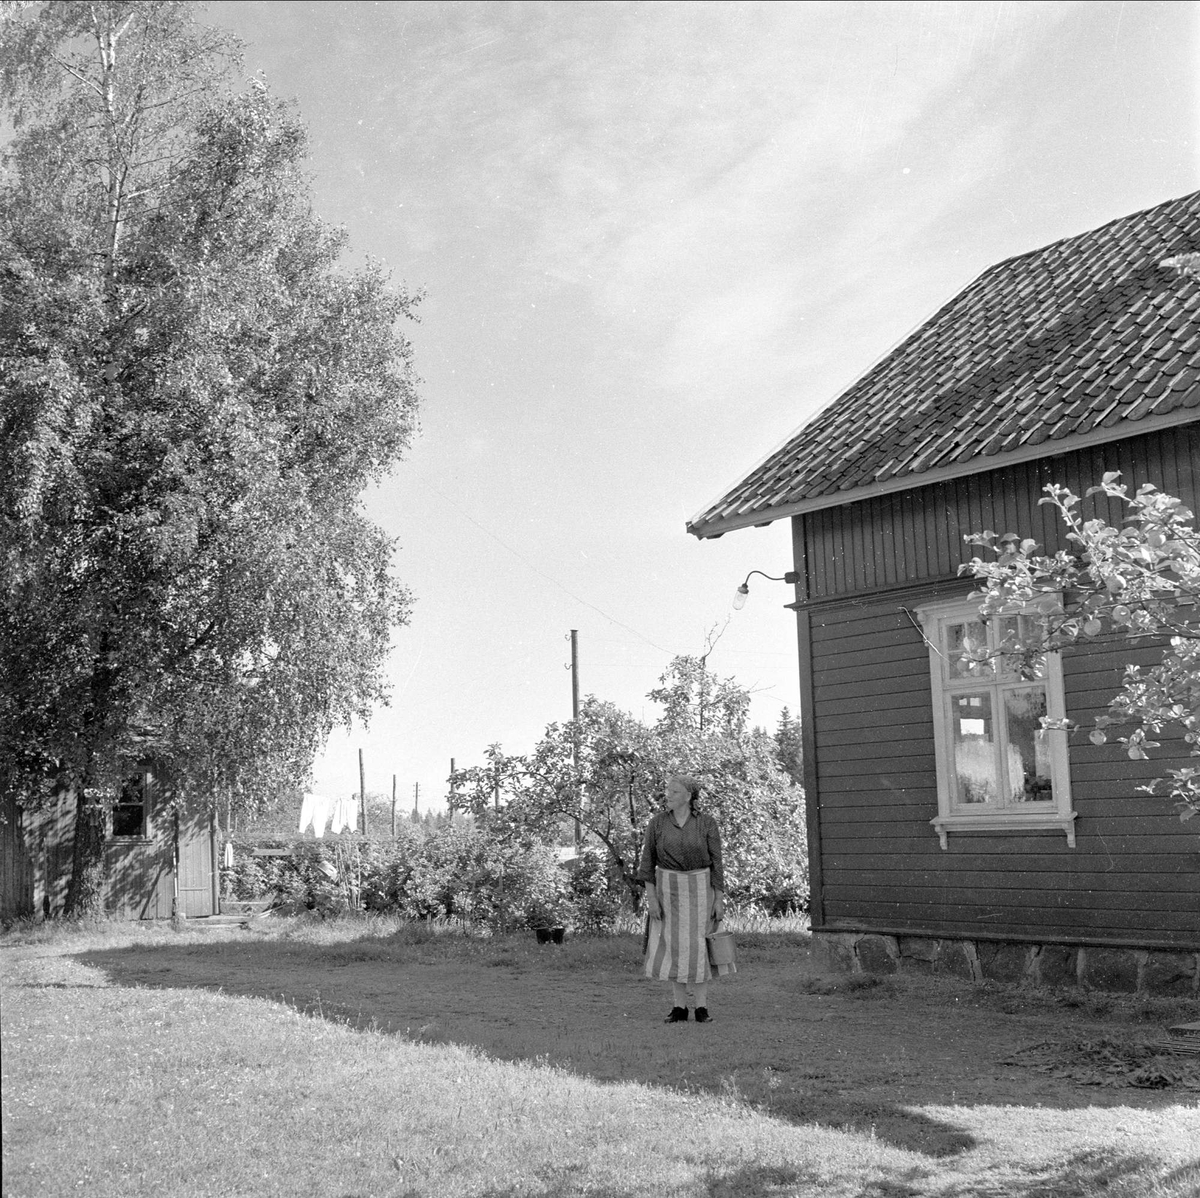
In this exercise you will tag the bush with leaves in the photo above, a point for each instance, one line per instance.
(597, 897)
(1139, 582)
(385, 867)
(246, 878)
(452, 871)
(465, 873)
(311, 875)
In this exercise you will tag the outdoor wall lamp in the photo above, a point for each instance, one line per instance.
(740, 595)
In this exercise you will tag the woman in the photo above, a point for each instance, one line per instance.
(685, 897)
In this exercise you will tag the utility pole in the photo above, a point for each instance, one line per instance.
(393, 806)
(416, 798)
(362, 792)
(575, 733)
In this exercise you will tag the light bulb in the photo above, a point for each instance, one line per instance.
(739, 597)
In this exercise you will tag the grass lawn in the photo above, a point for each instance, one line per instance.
(372, 1059)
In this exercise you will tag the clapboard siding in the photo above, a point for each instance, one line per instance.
(16, 865)
(906, 759)
(918, 536)
(1097, 774)
(1001, 893)
(893, 744)
(859, 847)
(1169, 929)
(1089, 904)
(870, 655)
(1079, 861)
(868, 693)
(1135, 869)
(140, 882)
(898, 724)
(867, 707)
(1000, 914)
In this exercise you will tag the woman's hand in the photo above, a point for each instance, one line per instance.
(654, 909)
(718, 907)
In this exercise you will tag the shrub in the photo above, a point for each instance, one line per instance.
(597, 891)
(448, 872)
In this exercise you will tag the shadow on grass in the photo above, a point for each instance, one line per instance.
(911, 1130)
(1085, 1174)
(749, 1181)
(811, 1053)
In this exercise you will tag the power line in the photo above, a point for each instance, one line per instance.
(542, 574)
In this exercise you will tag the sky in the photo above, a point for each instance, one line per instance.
(653, 239)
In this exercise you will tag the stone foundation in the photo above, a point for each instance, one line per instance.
(1117, 970)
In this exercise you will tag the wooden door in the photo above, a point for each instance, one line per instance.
(195, 865)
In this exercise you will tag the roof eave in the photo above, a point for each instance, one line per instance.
(709, 529)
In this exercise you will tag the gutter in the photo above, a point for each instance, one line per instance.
(1050, 448)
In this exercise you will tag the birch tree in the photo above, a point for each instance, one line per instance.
(195, 391)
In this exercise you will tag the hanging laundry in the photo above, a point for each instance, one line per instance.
(315, 811)
(345, 815)
(306, 813)
(229, 854)
(322, 809)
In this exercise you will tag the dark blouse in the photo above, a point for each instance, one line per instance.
(697, 845)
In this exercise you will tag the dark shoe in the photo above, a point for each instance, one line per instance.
(677, 1015)
(702, 1015)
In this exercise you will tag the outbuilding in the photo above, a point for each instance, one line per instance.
(159, 859)
(1056, 366)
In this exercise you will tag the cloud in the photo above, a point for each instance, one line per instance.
(705, 172)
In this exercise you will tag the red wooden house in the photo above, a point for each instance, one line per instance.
(945, 833)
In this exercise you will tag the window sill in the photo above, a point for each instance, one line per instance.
(1006, 821)
(115, 840)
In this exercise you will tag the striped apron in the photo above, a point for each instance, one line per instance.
(675, 948)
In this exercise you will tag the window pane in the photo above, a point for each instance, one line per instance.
(1021, 630)
(962, 638)
(974, 749)
(129, 811)
(1028, 751)
(128, 821)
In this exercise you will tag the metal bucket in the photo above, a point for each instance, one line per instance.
(720, 948)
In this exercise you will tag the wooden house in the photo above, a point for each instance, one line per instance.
(1040, 860)
(159, 862)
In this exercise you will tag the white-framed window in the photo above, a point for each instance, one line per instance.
(997, 769)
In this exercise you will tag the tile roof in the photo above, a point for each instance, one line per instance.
(1093, 337)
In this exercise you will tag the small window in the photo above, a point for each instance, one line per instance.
(997, 768)
(130, 819)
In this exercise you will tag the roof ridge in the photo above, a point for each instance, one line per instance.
(1117, 220)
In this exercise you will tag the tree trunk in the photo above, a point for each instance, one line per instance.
(637, 891)
(85, 895)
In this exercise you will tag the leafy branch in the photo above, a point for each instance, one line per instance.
(1139, 581)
